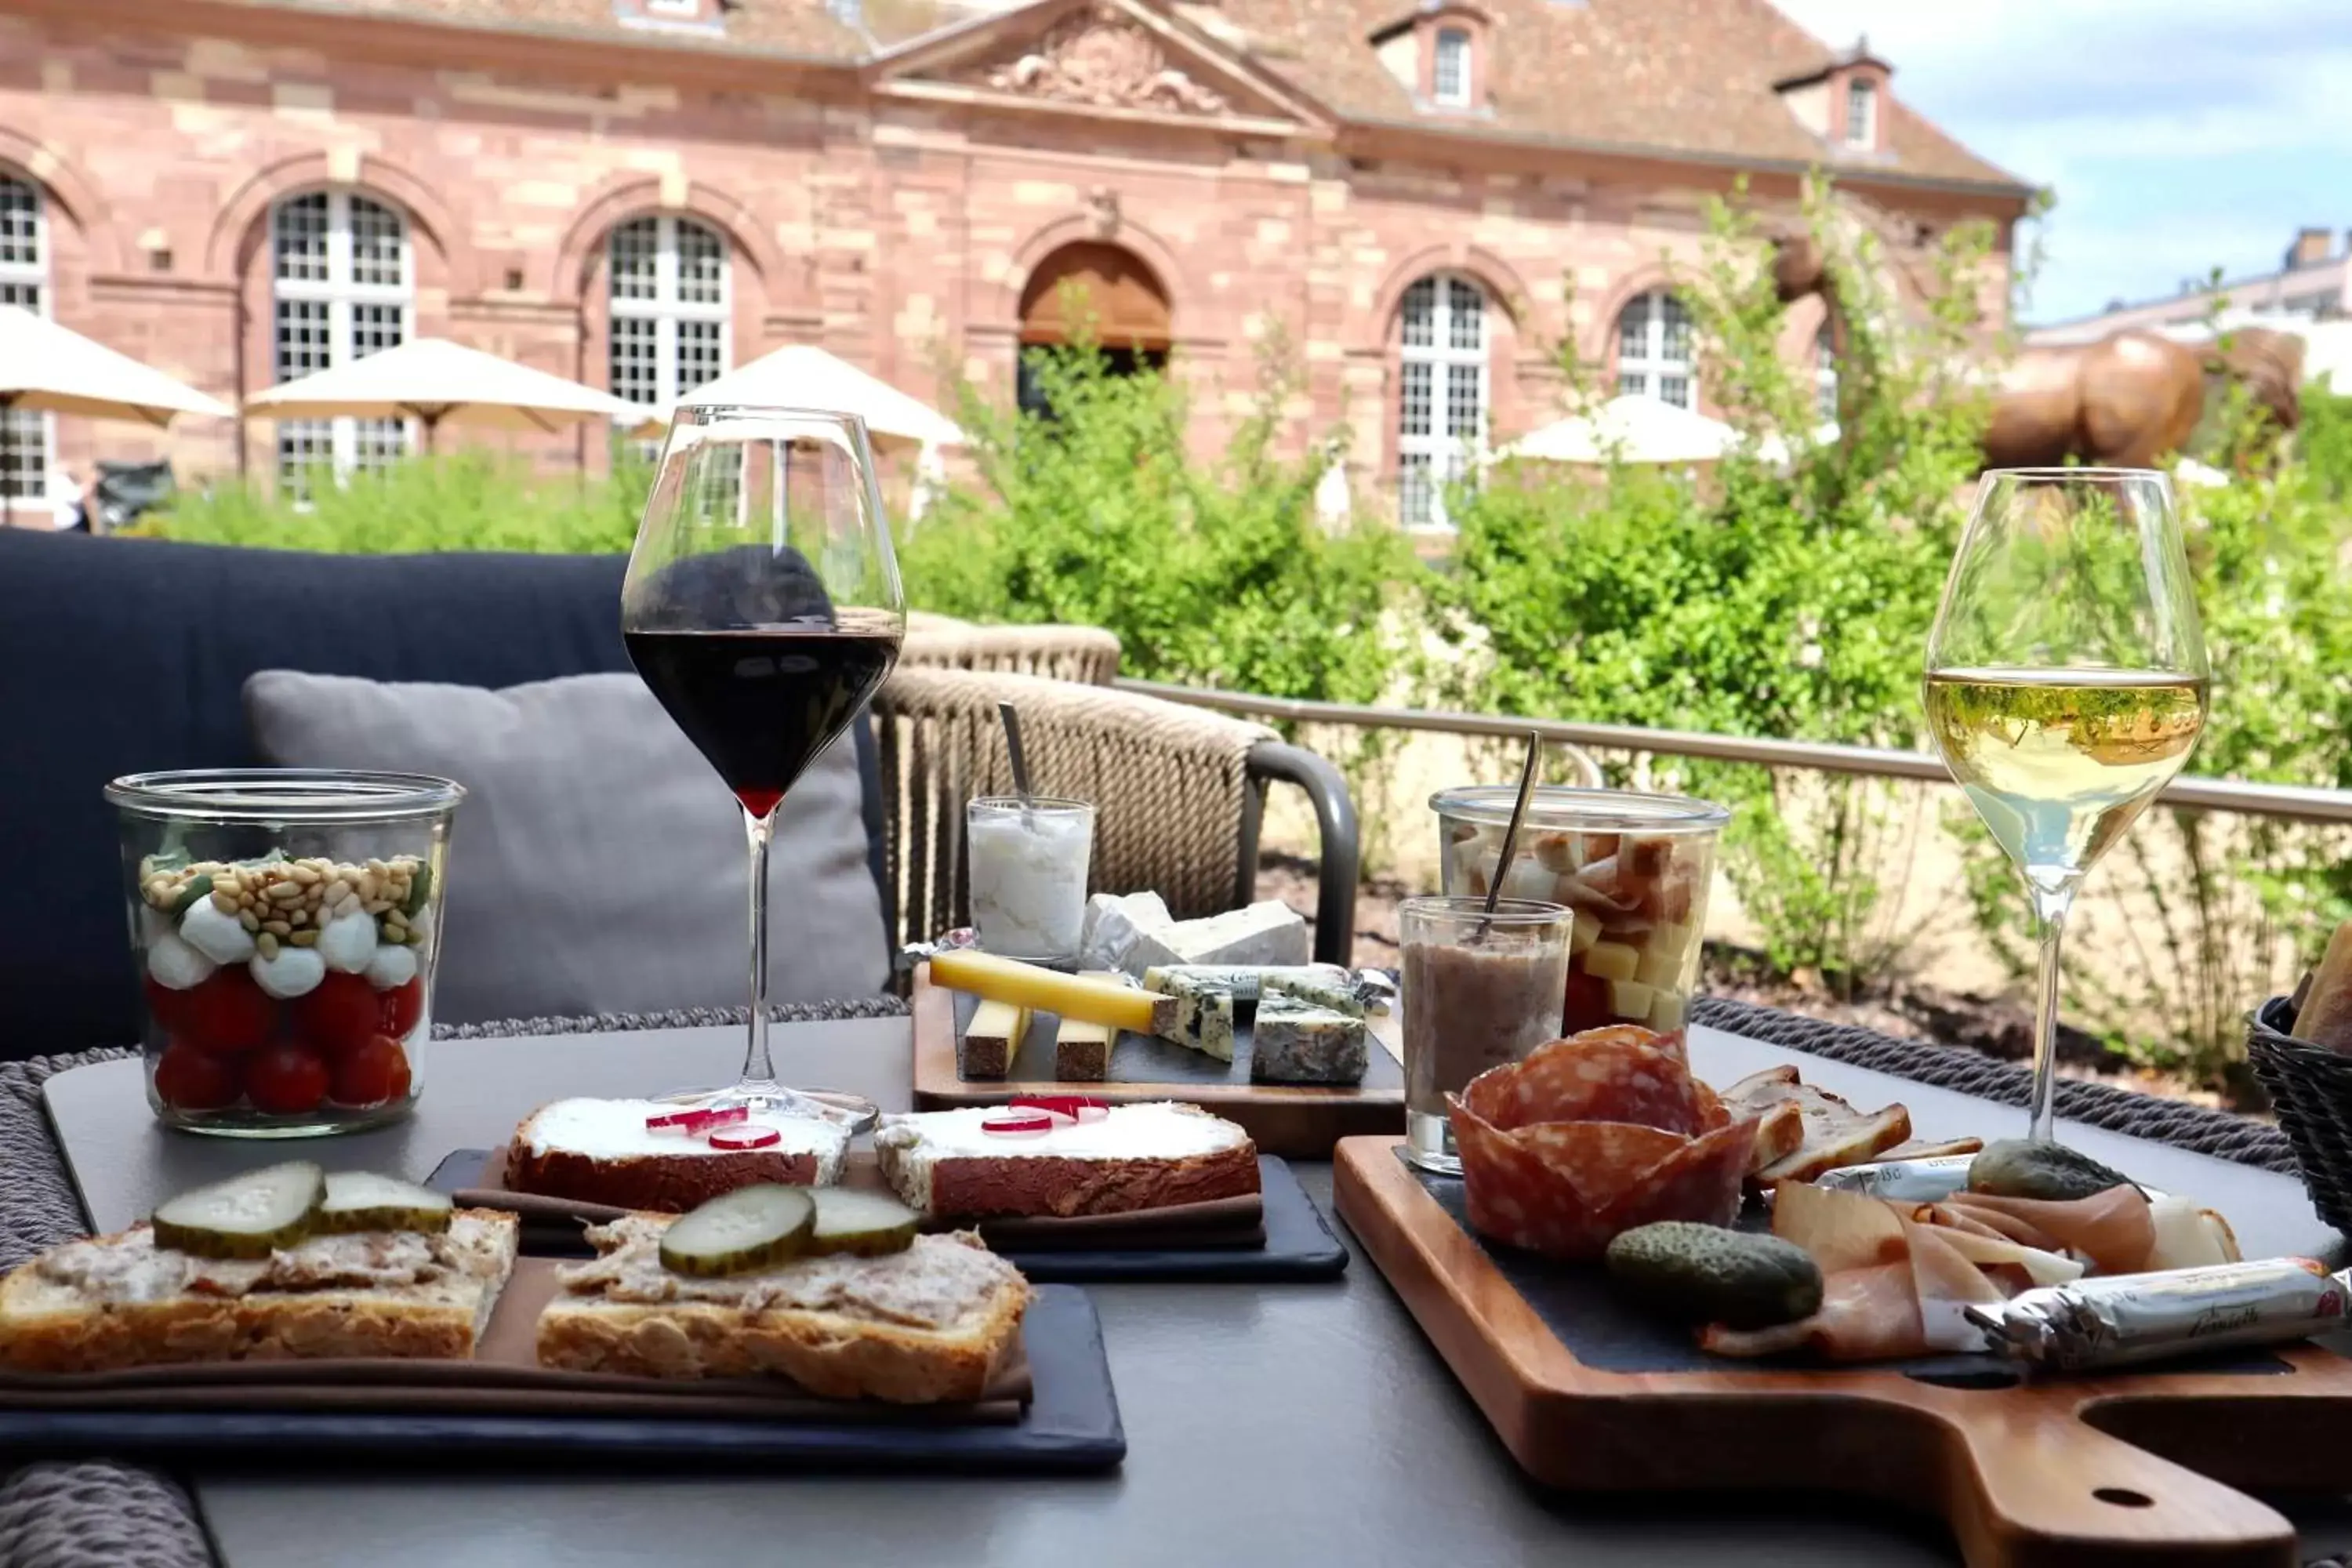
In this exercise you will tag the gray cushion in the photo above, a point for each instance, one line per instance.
(597, 864)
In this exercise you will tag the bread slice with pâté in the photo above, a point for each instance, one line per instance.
(931, 1322)
(385, 1286)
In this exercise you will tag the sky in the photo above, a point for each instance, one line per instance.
(2178, 135)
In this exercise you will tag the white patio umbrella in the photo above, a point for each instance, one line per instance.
(433, 379)
(48, 369)
(1635, 428)
(800, 375)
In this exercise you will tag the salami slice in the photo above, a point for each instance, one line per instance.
(1514, 1197)
(1601, 1159)
(1617, 1074)
(1699, 1180)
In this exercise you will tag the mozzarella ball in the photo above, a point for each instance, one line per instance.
(217, 936)
(295, 972)
(348, 942)
(391, 966)
(176, 965)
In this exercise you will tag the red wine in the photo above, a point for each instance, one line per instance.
(761, 703)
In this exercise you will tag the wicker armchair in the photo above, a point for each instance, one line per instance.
(1178, 794)
(1088, 655)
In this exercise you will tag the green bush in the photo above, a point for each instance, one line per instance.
(467, 500)
(1212, 574)
(2326, 442)
(1786, 598)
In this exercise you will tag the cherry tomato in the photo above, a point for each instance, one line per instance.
(377, 1072)
(285, 1081)
(402, 1007)
(340, 1014)
(226, 1014)
(193, 1079)
(1585, 1005)
(170, 1009)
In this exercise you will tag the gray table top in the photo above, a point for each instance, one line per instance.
(1278, 1424)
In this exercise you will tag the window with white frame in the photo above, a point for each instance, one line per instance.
(1441, 393)
(343, 279)
(27, 439)
(1449, 76)
(671, 308)
(1861, 113)
(1653, 349)
(1826, 372)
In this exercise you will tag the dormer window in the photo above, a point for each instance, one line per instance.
(1861, 112)
(1449, 85)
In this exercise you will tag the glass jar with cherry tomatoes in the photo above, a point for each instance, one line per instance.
(284, 924)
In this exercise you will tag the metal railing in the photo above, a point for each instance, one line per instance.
(2288, 803)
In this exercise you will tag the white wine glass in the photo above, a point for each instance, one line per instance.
(762, 607)
(2066, 683)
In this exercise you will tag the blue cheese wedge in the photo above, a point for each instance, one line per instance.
(1310, 987)
(1246, 981)
(1212, 1028)
(1296, 1042)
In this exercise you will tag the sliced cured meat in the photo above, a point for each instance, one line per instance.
(1700, 1180)
(1616, 1074)
(1595, 1134)
(1868, 1314)
(2112, 1228)
(1842, 1230)
(1601, 1159)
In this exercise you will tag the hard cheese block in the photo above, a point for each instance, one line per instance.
(1088, 999)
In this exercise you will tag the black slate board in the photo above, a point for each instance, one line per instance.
(1603, 1332)
(1299, 1245)
(1071, 1425)
(1147, 1058)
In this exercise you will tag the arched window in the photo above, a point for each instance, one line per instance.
(25, 438)
(1653, 349)
(1441, 392)
(342, 282)
(1092, 289)
(1825, 372)
(672, 308)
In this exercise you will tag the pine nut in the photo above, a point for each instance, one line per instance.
(302, 874)
(277, 928)
(266, 944)
(305, 939)
(249, 920)
(299, 918)
(224, 902)
(284, 893)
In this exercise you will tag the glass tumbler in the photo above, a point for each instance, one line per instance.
(284, 925)
(1027, 865)
(1634, 868)
(1478, 991)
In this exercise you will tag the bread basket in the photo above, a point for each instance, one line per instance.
(2311, 1089)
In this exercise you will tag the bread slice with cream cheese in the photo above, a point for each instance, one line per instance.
(1144, 1156)
(601, 1151)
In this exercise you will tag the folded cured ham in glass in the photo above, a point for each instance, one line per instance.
(1598, 1133)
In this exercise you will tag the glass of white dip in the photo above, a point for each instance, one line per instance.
(1027, 862)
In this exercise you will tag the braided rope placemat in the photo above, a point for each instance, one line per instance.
(101, 1513)
(2192, 1127)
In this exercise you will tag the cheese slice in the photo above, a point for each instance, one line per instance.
(1086, 998)
(1267, 933)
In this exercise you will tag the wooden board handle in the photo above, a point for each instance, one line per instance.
(2030, 1485)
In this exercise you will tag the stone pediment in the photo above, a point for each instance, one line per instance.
(1103, 56)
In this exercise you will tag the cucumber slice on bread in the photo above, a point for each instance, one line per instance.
(869, 1223)
(363, 1200)
(249, 1215)
(742, 1232)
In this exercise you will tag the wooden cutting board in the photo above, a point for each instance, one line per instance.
(1295, 1121)
(2064, 1473)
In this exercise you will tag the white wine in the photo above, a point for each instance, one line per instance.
(2060, 762)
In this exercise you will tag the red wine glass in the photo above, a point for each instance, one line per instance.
(762, 607)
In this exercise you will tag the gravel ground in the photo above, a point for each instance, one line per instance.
(1996, 1026)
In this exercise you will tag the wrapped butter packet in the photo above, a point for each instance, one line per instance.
(2125, 1319)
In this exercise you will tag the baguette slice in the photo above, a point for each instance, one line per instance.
(932, 1324)
(601, 1152)
(1134, 1157)
(118, 1301)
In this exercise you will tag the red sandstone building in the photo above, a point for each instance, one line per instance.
(1423, 197)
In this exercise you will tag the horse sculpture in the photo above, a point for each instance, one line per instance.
(2127, 400)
